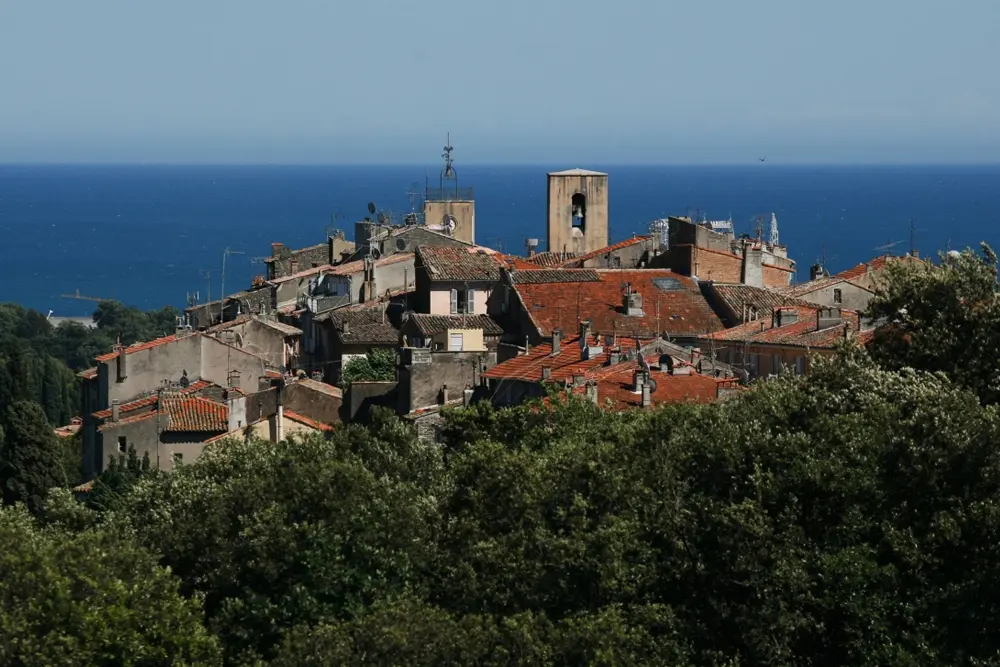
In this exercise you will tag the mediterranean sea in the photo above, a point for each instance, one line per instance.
(145, 235)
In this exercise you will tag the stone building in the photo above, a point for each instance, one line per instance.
(787, 339)
(852, 289)
(277, 343)
(451, 333)
(577, 211)
(455, 281)
(285, 262)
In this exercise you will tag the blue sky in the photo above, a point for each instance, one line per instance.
(518, 81)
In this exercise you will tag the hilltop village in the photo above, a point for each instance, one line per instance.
(687, 312)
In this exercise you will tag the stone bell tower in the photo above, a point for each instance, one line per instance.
(578, 211)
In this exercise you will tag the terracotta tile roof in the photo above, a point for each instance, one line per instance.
(563, 366)
(429, 325)
(223, 326)
(139, 347)
(367, 323)
(801, 333)
(86, 487)
(324, 268)
(738, 298)
(518, 263)
(306, 421)
(802, 290)
(542, 276)
(147, 401)
(67, 431)
(604, 251)
(358, 265)
(286, 329)
(550, 259)
(873, 266)
(88, 374)
(615, 384)
(320, 387)
(195, 415)
(451, 263)
(672, 304)
(107, 426)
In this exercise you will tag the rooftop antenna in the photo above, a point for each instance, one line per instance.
(207, 275)
(226, 253)
(773, 236)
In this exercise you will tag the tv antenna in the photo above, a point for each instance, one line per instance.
(226, 253)
(207, 275)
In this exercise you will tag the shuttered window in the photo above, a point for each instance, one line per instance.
(454, 302)
(471, 303)
(455, 342)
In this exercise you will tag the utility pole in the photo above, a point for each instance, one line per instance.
(226, 253)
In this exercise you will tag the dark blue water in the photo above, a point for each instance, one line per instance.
(142, 235)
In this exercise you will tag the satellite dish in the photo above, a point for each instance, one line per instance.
(371, 208)
(400, 244)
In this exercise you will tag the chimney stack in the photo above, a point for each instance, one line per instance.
(584, 333)
(556, 341)
(276, 249)
(592, 391)
(467, 397)
(444, 395)
(115, 411)
(122, 364)
(646, 399)
(546, 372)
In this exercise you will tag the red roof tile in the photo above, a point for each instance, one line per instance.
(801, 333)
(147, 401)
(563, 366)
(139, 347)
(874, 265)
(88, 374)
(615, 384)
(195, 414)
(106, 426)
(604, 251)
(672, 304)
(458, 263)
(550, 259)
(306, 421)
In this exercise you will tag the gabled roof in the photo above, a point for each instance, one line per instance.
(459, 264)
(804, 332)
(358, 265)
(672, 303)
(286, 329)
(324, 268)
(803, 290)
(605, 250)
(307, 421)
(195, 415)
(576, 172)
(542, 276)
(615, 384)
(367, 323)
(88, 374)
(873, 266)
(147, 401)
(737, 298)
(320, 387)
(430, 325)
(568, 363)
(139, 347)
(549, 258)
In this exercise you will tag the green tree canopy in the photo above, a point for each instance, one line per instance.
(91, 598)
(379, 365)
(30, 456)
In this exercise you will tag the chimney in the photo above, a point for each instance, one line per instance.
(578, 380)
(345, 327)
(293, 266)
(632, 302)
(915, 254)
(546, 372)
(637, 380)
(531, 244)
(817, 271)
(646, 399)
(276, 249)
(467, 397)
(122, 365)
(584, 333)
(556, 341)
(614, 358)
(591, 391)
(753, 266)
(444, 394)
(115, 412)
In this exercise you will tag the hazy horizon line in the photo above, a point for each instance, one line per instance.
(512, 165)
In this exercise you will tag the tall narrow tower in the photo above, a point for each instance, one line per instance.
(449, 209)
(578, 211)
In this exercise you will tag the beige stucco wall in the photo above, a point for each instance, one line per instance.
(472, 340)
(464, 212)
(440, 301)
(853, 296)
(563, 237)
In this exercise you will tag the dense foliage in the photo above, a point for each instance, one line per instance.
(378, 365)
(847, 518)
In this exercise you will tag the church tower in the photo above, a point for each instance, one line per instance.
(578, 211)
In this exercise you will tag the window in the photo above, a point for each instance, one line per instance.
(122, 444)
(463, 302)
(838, 296)
(800, 365)
(455, 342)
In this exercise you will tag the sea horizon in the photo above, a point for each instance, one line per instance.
(145, 234)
